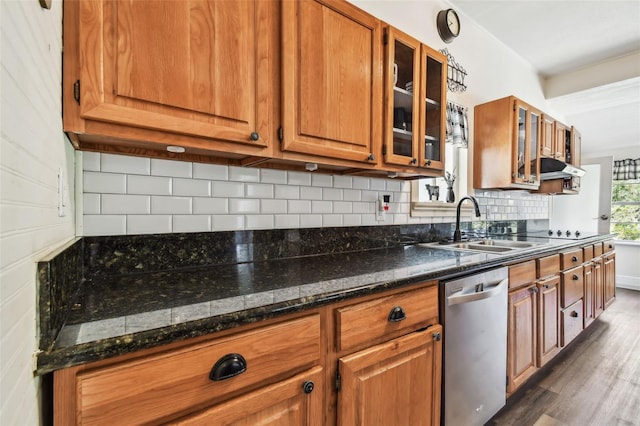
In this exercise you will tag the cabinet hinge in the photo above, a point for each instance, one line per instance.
(280, 134)
(76, 91)
(338, 383)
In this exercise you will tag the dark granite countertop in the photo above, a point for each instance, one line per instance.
(120, 313)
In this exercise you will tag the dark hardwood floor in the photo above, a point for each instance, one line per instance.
(594, 381)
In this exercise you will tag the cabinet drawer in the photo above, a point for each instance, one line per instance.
(570, 259)
(370, 321)
(160, 386)
(546, 266)
(571, 322)
(587, 252)
(597, 249)
(522, 274)
(608, 246)
(572, 286)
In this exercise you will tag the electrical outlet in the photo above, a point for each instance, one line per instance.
(380, 211)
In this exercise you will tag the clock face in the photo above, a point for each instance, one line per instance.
(453, 22)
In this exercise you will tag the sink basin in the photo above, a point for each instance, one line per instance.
(487, 246)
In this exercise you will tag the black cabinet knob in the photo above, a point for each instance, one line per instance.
(371, 157)
(397, 314)
(575, 277)
(574, 258)
(254, 136)
(414, 161)
(308, 386)
(427, 163)
(573, 314)
(227, 367)
(437, 337)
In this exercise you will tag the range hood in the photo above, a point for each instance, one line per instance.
(550, 168)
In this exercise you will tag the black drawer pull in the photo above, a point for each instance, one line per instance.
(227, 367)
(573, 314)
(575, 277)
(397, 314)
(574, 258)
(254, 136)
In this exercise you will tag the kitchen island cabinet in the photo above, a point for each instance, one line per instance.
(147, 75)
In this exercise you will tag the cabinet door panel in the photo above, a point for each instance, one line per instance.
(395, 383)
(521, 337)
(191, 67)
(548, 315)
(609, 276)
(332, 80)
(282, 404)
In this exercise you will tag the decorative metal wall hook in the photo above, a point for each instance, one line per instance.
(455, 73)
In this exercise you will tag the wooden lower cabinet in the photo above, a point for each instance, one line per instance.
(589, 312)
(295, 401)
(521, 336)
(278, 372)
(609, 278)
(394, 383)
(571, 322)
(598, 287)
(548, 319)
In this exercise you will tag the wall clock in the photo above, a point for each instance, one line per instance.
(448, 25)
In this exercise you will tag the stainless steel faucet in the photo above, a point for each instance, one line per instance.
(456, 234)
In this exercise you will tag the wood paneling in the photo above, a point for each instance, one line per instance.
(548, 319)
(521, 336)
(522, 274)
(572, 286)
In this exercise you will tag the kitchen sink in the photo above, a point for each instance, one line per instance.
(487, 246)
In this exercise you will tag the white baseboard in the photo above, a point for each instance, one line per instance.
(632, 283)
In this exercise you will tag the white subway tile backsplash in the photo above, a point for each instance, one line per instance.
(91, 204)
(332, 194)
(244, 174)
(352, 195)
(287, 221)
(342, 182)
(265, 221)
(227, 222)
(310, 193)
(321, 207)
(104, 224)
(273, 206)
(152, 185)
(148, 224)
(90, 161)
(287, 192)
(342, 207)
(311, 221)
(298, 206)
(170, 205)
(227, 189)
(331, 220)
(191, 223)
(299, 178)
(210, 205)
(210, 171)
(273, 176)
(321, 180)
(125, 164)
(125, 204)
(104, 183)
(160, 167)
(174, 196)
(244, 206)
(258, 190)
(191, 187)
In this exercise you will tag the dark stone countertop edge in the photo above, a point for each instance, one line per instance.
(58, 358)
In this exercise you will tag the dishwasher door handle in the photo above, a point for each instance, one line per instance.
(458, 298)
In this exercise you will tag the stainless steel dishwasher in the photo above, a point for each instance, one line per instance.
(474, 310)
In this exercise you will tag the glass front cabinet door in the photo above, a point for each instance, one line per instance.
(415, 103)
(527, 143)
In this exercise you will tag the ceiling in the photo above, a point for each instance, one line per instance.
(587, 54)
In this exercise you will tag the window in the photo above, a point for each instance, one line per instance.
(625, 209)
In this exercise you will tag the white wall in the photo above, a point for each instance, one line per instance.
(33, 147)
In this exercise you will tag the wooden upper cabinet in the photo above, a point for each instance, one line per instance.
(415, 103)
(575, 156)
(548, 140)
(331, 80)
(507, 131)
(186, 72)
(560, 141)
